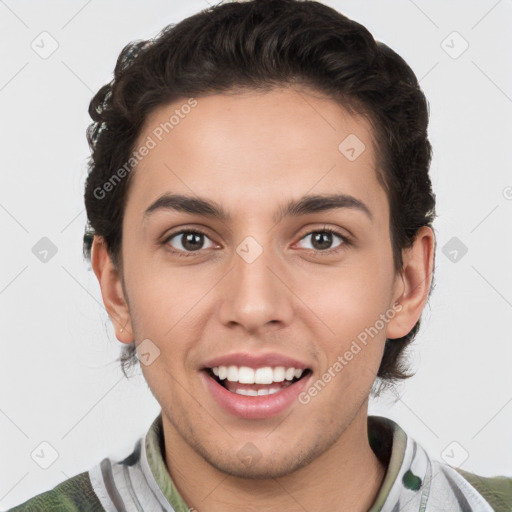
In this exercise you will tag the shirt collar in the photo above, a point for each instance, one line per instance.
(388, 441)
(386, 438)
(155, 450)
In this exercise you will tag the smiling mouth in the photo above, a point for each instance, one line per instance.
(255, 382)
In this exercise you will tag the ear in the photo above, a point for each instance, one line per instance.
(412, 286)
(111, 290)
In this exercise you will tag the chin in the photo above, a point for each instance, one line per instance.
(249, 463)
(261, 470)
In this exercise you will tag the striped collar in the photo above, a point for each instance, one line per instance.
(413, 482)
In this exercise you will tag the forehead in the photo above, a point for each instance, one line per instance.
(254, 150)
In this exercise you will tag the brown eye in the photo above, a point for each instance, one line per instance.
(187, 241)
(322, 240)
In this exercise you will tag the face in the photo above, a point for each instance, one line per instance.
(246, 292)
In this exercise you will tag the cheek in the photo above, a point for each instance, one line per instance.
(350, 299)
(167, 306)
(352, 303)
(351, 350)
(159, 294)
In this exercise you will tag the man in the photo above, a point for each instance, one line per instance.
(261, 228)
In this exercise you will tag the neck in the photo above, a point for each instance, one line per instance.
(347, 477)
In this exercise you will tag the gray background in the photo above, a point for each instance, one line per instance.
(59, 383)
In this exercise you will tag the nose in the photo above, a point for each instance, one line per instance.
(254, 293)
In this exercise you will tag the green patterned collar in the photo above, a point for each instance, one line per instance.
(386, 439)
(155, 450)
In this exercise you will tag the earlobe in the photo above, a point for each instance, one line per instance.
(111, 290)
(413, 284)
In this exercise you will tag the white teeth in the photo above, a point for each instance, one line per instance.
(246, 392)
(289, 374)
(245, 375)
(260, 392)
(264, 375)
(269, 391)
(278, 374)
(232, 375)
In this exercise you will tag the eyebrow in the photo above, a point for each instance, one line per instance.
(294, 208)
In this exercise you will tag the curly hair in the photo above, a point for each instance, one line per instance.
(261, 45)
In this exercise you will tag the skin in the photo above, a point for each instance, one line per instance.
(252, 152)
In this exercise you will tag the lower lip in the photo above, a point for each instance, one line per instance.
(255, 407)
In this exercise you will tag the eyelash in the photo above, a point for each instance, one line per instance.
(187, 254)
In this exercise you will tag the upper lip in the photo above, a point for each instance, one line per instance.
(255, 361)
